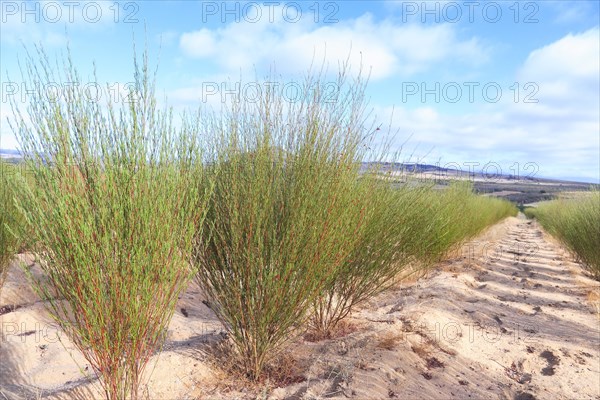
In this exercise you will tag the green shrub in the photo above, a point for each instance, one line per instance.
(467, 214)
(384, 247)
(529, 211)
(282, 218)
(407, 228)
(576, 223)
(114, 206)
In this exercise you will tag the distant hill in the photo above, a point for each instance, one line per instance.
(10, 153)
(435, 172)
(520, 190)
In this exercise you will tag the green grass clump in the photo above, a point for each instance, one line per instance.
(407, 228)
(529, 211)
(576, 223)
(283, 216)
(114, 206)
(385, 245)
(10, 221)
(464, 214)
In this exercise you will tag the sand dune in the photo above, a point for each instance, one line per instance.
(510, 319)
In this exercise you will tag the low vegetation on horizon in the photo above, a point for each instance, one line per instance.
(575, 221)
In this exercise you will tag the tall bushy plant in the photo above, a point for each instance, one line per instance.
(114, 207)
(387, 245)
(576, 223)
(282, 219)
(407, 228)
(459, 214)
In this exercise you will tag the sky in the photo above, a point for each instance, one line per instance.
(509, 85)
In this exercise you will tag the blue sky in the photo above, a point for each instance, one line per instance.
(504, 82)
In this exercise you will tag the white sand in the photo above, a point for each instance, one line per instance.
(511, 321)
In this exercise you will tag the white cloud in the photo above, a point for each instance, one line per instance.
(574, 56)
(385, 47)
(199, 44)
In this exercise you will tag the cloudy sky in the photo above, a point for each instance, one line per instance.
(515, 84)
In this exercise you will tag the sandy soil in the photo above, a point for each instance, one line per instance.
(512, 317)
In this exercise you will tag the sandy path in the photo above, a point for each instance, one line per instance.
(508, 320)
